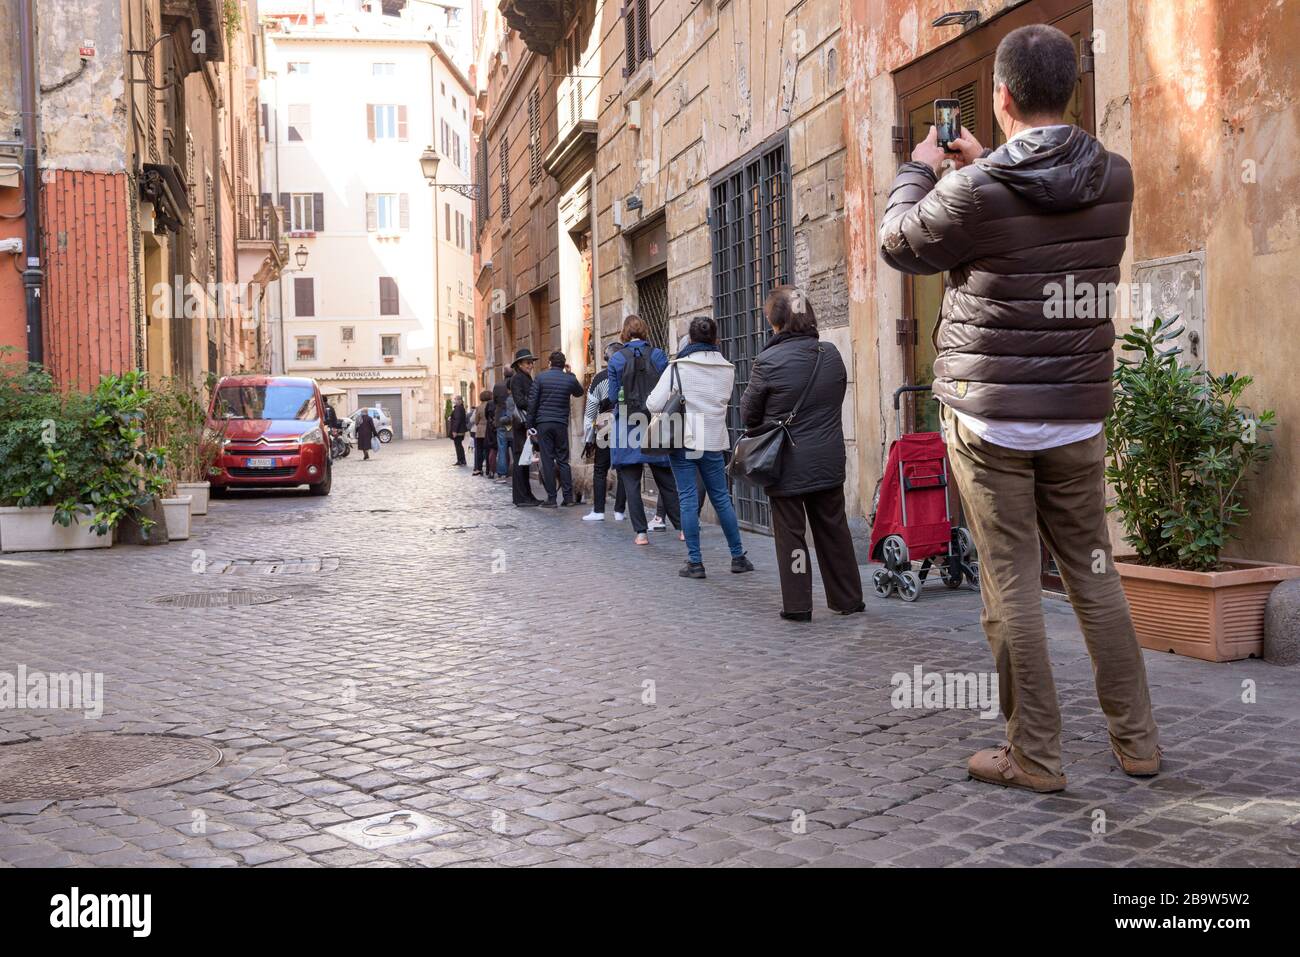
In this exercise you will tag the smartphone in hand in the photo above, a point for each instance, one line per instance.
(947, 122)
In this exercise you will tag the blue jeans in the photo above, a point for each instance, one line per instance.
(711, 467)
(503, 452)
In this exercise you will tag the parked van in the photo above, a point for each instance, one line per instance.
(273, 434)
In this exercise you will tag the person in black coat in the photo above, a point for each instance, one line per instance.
(548, 422)
(365, 433)
(810, 490)
(458, 425)
(521, 386)
(502, 427)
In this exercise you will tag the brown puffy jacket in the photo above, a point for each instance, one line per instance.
(1031, 235)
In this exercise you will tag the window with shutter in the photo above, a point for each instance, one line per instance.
(388, 299)
(534, 137)
(404, 211)
(505, 178)
(446, 214)
(481, 176)
(636, 34)
(372, 212)
(401, 123)
(304, 296)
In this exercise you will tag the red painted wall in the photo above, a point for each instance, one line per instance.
(13, 323)
(87, 307)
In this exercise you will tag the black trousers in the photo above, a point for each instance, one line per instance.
(630, 476)
(553, 441)
(481, 452)
(823, 512)
(599, 474)
(522, 488)
(460, 448)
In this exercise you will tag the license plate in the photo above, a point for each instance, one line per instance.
(259, 463)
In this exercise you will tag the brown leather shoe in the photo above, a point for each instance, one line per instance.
(997, 766)
(1137, 767)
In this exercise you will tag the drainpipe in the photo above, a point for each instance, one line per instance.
(438, 403)
(32, 273)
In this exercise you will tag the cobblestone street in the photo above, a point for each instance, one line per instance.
(546, 694)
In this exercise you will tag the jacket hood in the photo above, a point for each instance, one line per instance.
(1055, 167)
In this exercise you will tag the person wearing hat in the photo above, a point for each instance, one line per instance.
(521, 386)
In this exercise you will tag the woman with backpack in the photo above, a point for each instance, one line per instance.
(481, 424)
(796, 368)
(633, 373)
(704, 379)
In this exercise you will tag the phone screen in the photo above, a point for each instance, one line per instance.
(947, 120)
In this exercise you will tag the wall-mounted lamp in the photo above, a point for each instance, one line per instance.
(967, 18)
(300, 256)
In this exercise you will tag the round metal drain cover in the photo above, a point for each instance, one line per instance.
(89, 765)
(215, 599)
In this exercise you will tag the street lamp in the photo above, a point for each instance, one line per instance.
(429, 168)
(300, 257)
(429, 160)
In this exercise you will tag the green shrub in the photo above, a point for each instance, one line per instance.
(1179, 449)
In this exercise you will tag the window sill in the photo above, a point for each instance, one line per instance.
(640, 81)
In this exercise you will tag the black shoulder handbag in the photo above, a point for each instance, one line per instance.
(758, 453)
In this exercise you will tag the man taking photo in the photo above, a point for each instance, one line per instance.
(1024, 395)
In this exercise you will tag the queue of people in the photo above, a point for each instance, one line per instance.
(526, 416)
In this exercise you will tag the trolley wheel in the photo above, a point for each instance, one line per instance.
(894, 550)
(882, 582)
(909, 586)
(965, 543)
(973, 573)
(948, 578)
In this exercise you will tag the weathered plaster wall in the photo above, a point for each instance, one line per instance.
(1215, 121)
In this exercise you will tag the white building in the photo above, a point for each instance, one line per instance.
(351, 101)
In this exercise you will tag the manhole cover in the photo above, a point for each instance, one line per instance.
(397, 827)
(89, 765)
(215, 599)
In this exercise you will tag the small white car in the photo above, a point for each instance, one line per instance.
(383, 423)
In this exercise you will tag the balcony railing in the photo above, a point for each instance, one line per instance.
(259, 222)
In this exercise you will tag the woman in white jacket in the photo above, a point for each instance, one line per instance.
(706, 380)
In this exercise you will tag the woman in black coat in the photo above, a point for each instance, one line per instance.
(810, 490)
(365, 433)
(458, 426)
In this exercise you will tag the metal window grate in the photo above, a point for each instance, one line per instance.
(505, 179)
(652, 307)
(750, 226)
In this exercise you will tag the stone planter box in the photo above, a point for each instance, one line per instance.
(198, 493)
(34, 530)
(177, 511)
(1214, 616)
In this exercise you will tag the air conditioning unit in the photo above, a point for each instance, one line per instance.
(634, 115)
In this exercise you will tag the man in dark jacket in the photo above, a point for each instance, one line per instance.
(458, 425)
(1024, 377)
(548, 421)
(521, 386)
(365, 433)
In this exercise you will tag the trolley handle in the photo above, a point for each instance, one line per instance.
(898, 414)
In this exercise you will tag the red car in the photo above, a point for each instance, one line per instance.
(272, 434)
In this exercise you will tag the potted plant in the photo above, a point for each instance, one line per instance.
(73, 466)
(166, 437)
(1180, 446)
(191, 446)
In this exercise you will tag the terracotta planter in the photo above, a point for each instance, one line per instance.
(34, 530)
(1215, 616)
(177, 511)
(198, 492)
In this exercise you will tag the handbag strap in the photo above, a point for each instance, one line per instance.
(807, 388)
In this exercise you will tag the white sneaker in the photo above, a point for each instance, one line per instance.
(619, 517)
(594, 517)
(657, 524)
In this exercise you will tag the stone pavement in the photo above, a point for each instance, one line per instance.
(550, 695)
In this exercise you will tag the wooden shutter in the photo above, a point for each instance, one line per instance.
(401, 123)
(318, 211)
(505, 178)
(446, 212)
(372, 215)
(404, 202)
(370, 121)
(304, 299)
(629, 38)
(534, 137)
(286, 210)
(388, 296)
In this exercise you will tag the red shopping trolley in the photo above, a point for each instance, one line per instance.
(911, 518)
